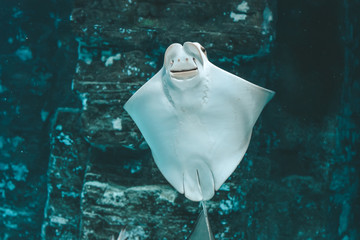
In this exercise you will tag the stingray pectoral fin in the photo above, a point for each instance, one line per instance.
(248, 99)
(199, 183)
(257, 97)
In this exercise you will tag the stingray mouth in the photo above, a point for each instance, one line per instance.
(184, 73)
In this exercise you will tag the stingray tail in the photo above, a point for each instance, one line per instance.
(202, 230)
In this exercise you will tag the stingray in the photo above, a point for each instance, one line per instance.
(197, 119)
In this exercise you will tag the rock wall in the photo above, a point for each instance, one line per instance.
(69, 155)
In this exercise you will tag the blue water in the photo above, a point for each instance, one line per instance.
(312, 135)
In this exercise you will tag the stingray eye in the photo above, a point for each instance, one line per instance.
(203, 50)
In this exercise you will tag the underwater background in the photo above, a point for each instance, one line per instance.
(74, 166)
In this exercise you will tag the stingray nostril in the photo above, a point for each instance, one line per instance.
(187, 59)
(178, 59)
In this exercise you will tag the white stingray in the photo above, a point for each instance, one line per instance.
(197, 119)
